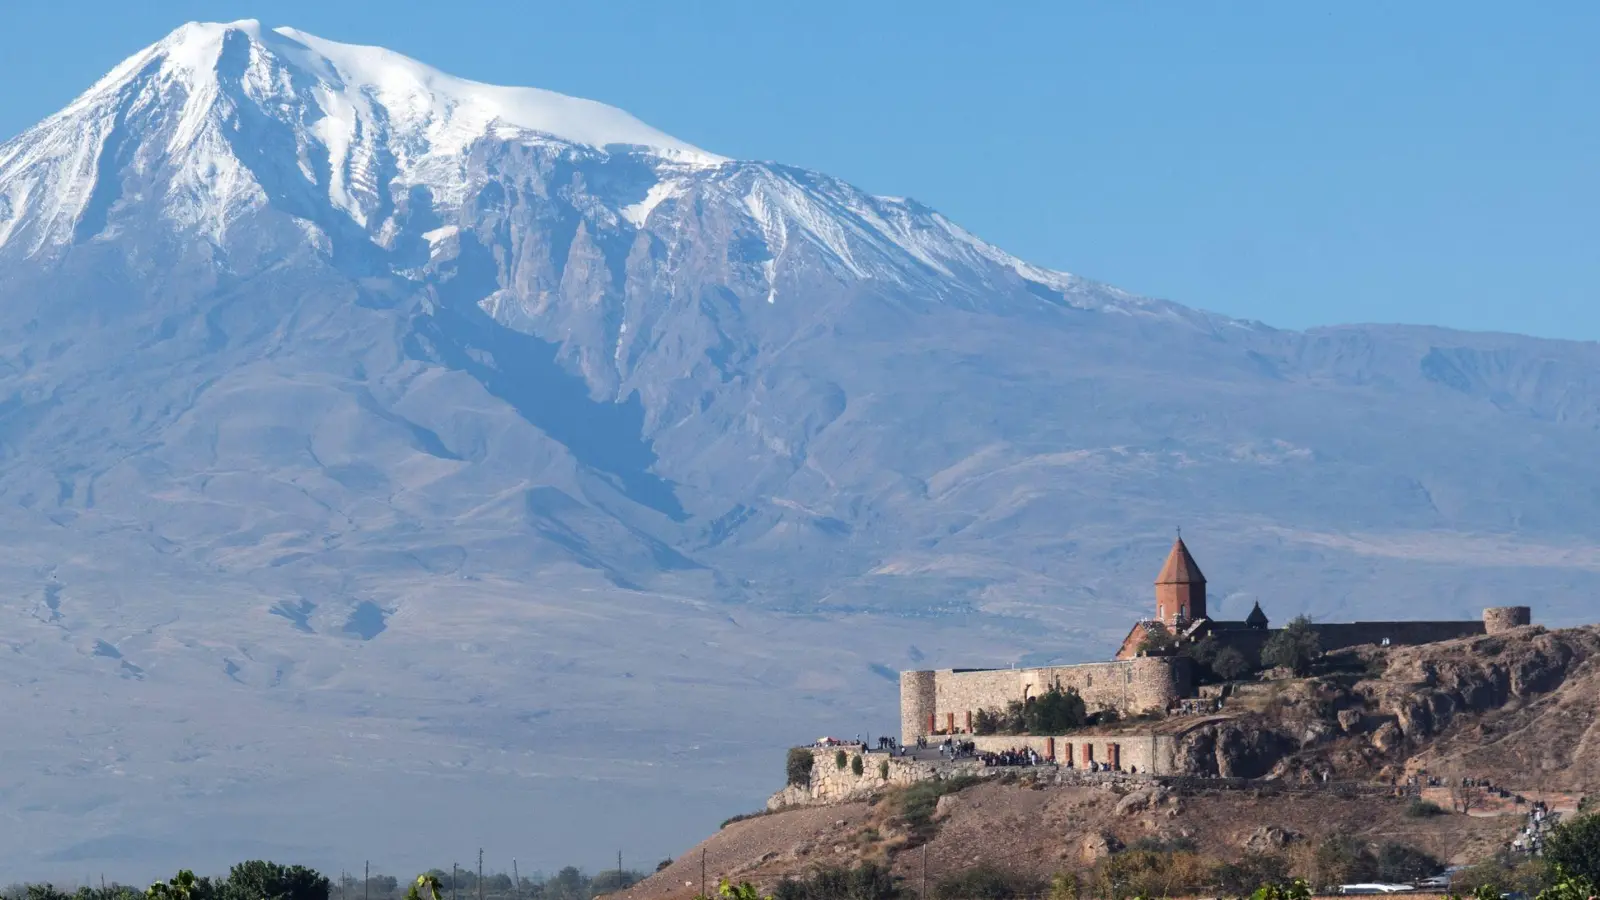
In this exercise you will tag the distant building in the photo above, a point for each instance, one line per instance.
(1181, 610)
(946, 702)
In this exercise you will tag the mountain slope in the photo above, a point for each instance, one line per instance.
(494, 439)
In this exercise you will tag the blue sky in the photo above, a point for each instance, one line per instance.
(1297, 163)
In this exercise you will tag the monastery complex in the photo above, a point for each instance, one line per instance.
(939, 704)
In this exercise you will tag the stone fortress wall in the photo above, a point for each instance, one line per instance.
(945, 702)
(1342, 635)
(1150, 754)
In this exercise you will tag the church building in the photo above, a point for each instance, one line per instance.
(1181, 611)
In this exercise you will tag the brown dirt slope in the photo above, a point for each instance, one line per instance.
(1042, 830)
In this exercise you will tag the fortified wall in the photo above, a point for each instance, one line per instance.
(945, 702)
(830, 782)
(1341, 635)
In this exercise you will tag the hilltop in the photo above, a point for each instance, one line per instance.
(1513, 711)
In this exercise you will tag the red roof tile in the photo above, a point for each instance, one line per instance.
(1180, 567)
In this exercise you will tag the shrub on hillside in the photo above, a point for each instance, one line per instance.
(799, 765)
(985, 882)
(1342, 859)
(915, 804)
(1402, 863)
(1240, 879)
(1155, 844)
(867, 881)
(883, 769)
(1423, 809)
(1146, 873)
(1502, 873)
(1066, 886)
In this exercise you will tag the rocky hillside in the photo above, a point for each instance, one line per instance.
(1517, 709)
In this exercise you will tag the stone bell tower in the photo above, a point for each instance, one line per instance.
(1180, 589)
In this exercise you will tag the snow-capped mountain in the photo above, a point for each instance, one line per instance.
(372, 433)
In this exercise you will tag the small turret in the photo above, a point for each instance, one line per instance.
(1504, 618)
(1257, 619)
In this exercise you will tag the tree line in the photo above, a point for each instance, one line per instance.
(264, 880)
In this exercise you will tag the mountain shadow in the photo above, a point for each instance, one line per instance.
(522, 370)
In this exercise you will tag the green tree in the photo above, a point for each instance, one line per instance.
(567, 883)
(259, 879)
(986, 721)
(1573, 849)
(1015, 719)
(857, 766)
(1294, 890)
(182, 886)
(1055, 711)
(744, 890)
(1570, 887)
(1240, 879)
(1065, 886)
(1342, 859)
(426, 887)
(1401, 862)
(1229, 664)
(798, 766)
(1294, 648)
(1157, 639)
(45, 891)
(613, 880)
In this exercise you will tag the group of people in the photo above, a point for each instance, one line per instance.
(1423, 779)
(1195, 707)
(953, 749)
(1027, 756)
(1531, 838)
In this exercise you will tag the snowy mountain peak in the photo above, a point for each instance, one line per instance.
(212, 110)
(427, 100)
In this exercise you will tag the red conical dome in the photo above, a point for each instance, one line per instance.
(1180, 567)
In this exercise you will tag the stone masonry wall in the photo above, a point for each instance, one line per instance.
(1128, 686)
(832, 784)
(1151, 754)
(1339, 635)
(1504, 618)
